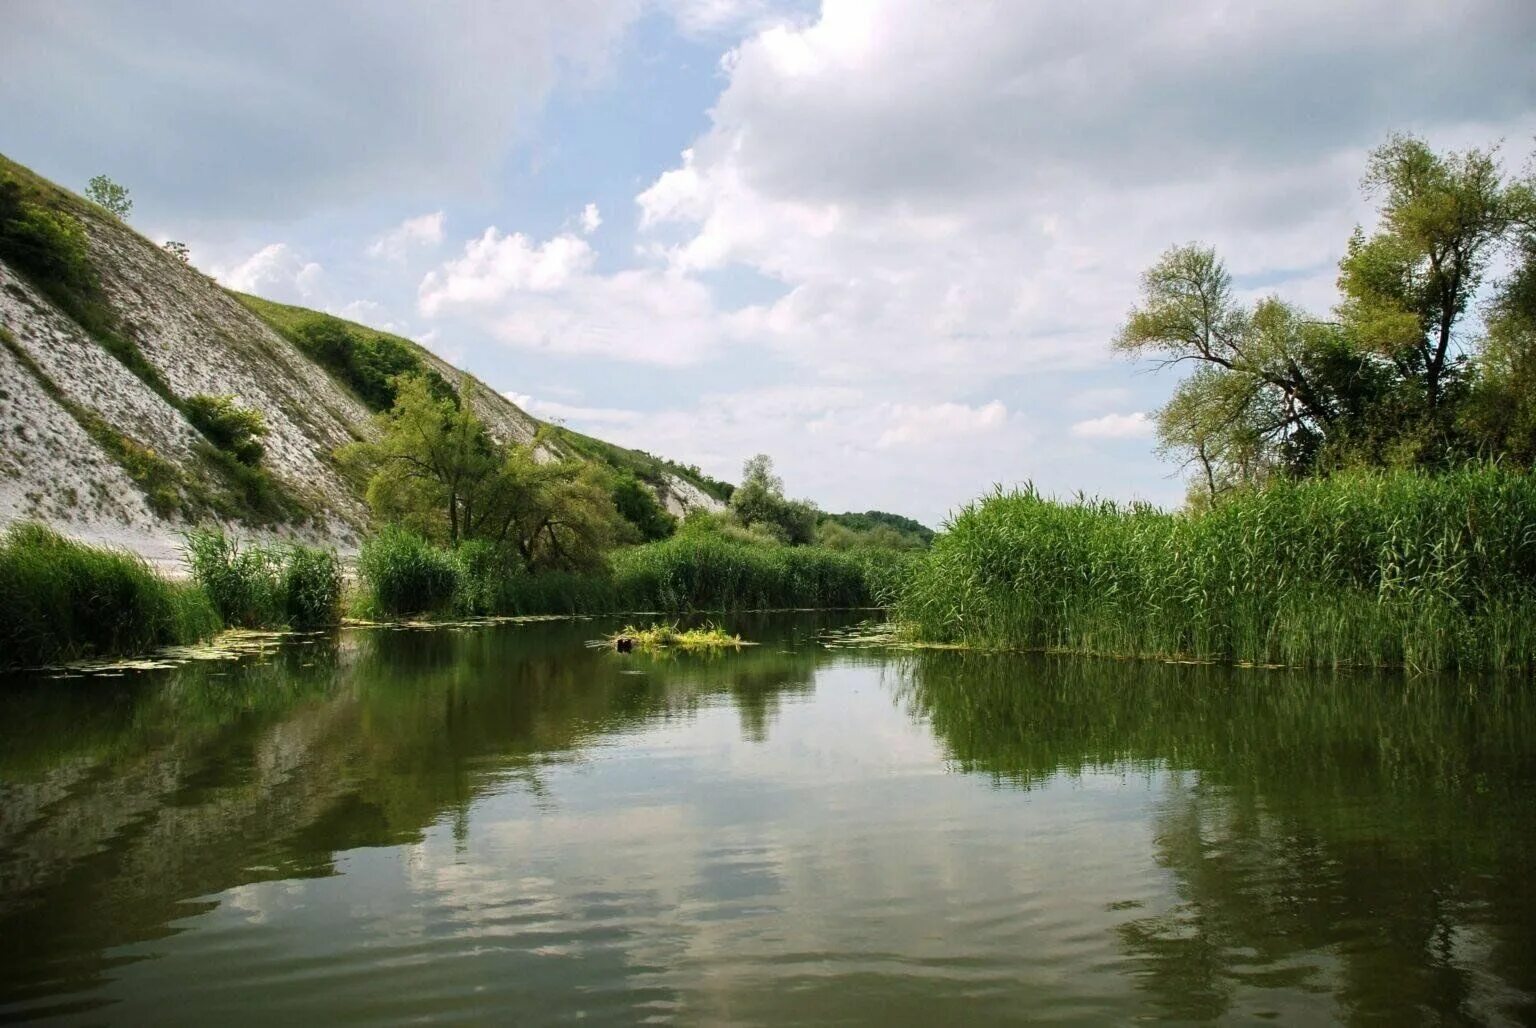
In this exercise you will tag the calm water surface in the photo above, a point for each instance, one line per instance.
(503, 824)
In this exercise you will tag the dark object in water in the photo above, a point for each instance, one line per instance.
(624, 644)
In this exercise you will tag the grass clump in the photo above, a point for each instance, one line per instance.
(266, 586)
(708, 636)
(66, 600)
(1392, 569)
(401, 573)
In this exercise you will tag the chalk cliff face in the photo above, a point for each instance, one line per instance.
(98, 450)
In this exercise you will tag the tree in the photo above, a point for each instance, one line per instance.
(1275, 391)
(760, 501)
(1406, 286)
(639, 506)
(1500, 413)
(436, 470)
(1269, 383)
(105, 193)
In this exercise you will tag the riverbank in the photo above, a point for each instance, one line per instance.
(75, 601)
(1387, 569)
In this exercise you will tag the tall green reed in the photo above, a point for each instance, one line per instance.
(65, 600)
(1427, 571)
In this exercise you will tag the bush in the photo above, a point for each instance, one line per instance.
(638, 506)
(266, 586)
(66, 600)
(234, 429)
(1390, 569)
(402, 573)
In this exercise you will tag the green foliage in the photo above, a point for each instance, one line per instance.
(47, 246)
(703, 571)
(224, 423)
(644, 466)
(364, 359)
(435, 470)
(311, 585)
(108, 195)
(708, 636)
(1276, 392)
(255, 586)
(638, 505)
(1399, 568)
(871, 521)
(760, 501)
(401, 573)
(66, 600)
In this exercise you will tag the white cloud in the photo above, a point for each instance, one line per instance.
(543, 296)
(1136, 425)
(276, 272)
(590, 219)
(495, 265)
(371, 313)
(917, 424)
(423, 230)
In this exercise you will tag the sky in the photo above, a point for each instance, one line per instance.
(887, 243)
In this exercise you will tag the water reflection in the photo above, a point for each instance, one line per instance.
(1364, 837)
(505, 821)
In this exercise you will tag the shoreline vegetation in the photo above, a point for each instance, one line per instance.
(1396, 569)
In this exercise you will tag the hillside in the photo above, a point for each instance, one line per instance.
(107, 342)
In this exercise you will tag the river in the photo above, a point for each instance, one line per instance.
(507, 824)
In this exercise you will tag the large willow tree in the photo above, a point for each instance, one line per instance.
(436, 470)
(1395, 377)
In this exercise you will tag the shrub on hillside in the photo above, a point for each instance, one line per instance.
(232, 428)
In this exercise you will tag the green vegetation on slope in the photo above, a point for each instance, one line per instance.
(873, 528)
(43, 237)
(364, 359)
(65, 600)
(1399, 568)
(644, 466)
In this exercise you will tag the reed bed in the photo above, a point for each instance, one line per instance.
(1385, 569)
(65, 600)
(400, 574)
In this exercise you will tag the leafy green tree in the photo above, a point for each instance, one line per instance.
(759, 501)
(105, 193)
(1500, 412)
(1407, 286)
(1269, 383)
(1274, 391)
(436, 470)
